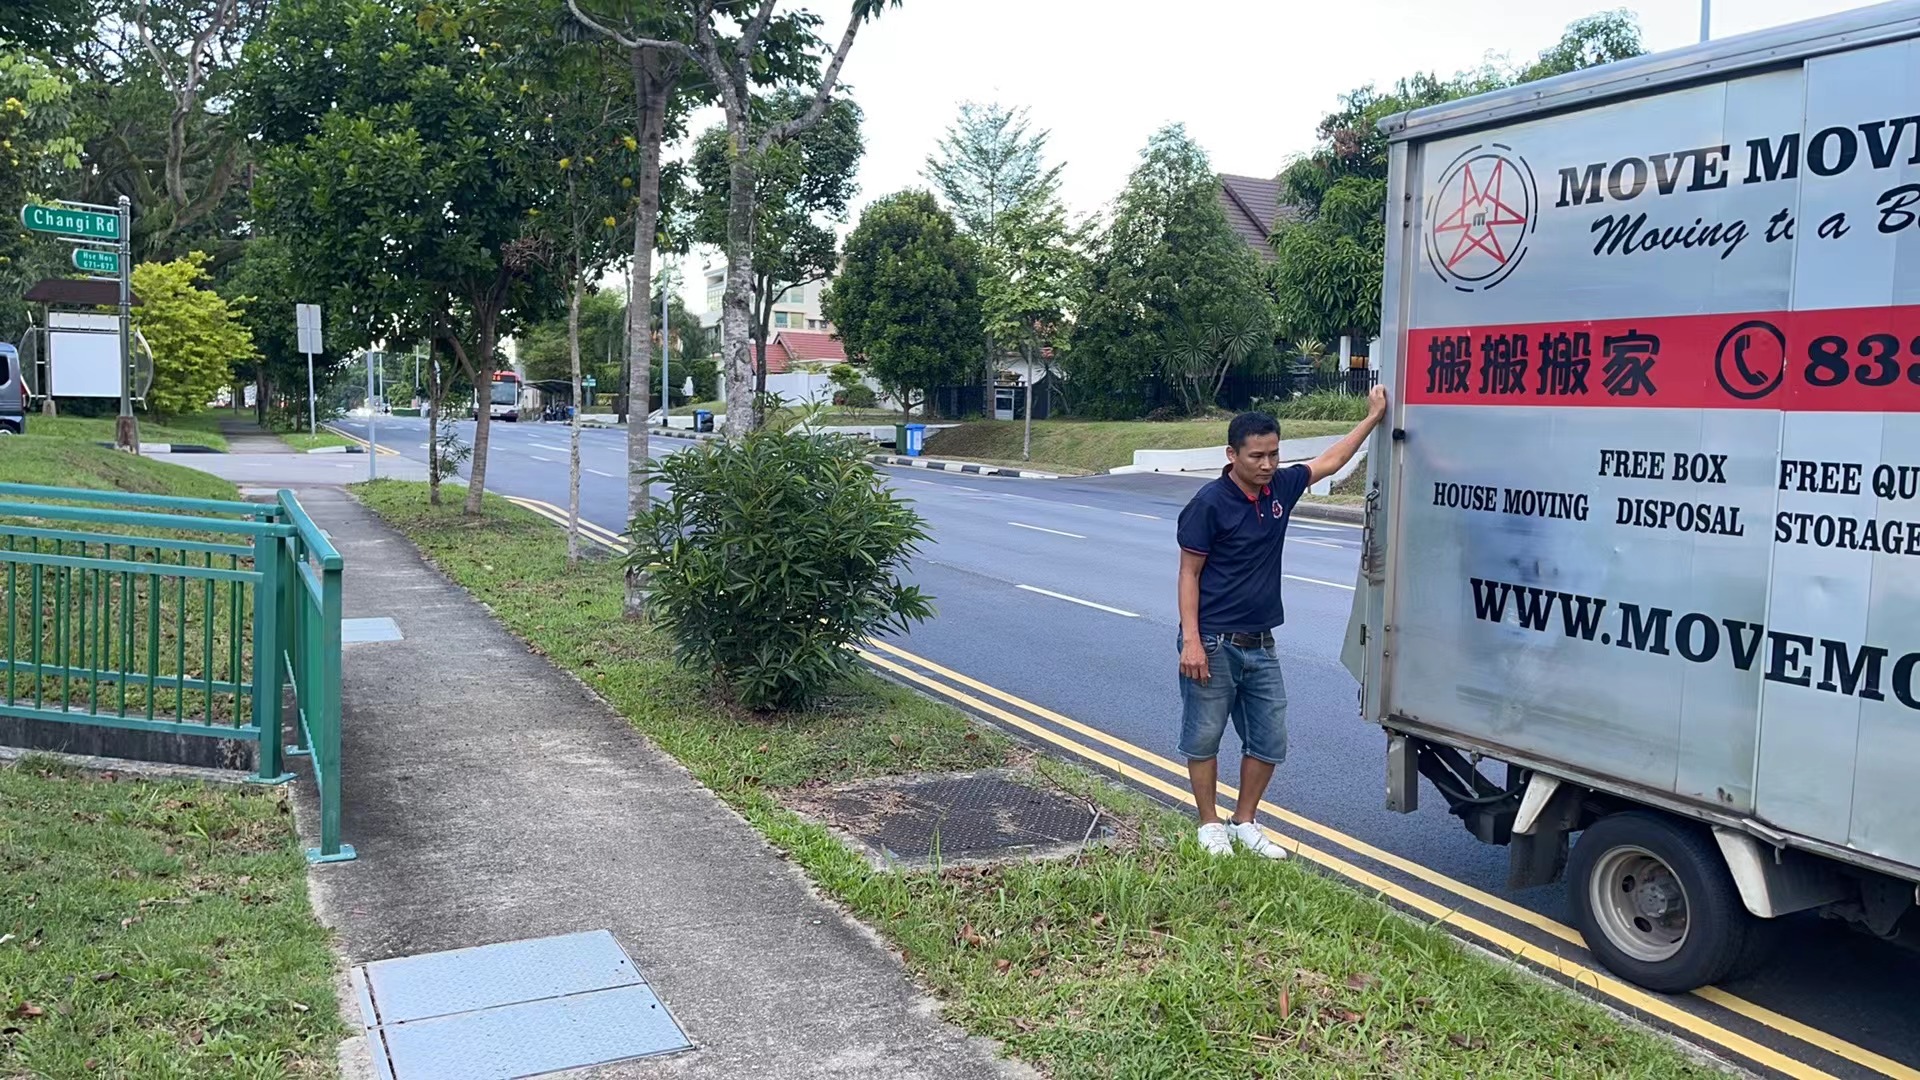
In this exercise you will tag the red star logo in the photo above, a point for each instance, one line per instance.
(1482, 211)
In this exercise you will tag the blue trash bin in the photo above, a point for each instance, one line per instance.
(916, 437)
(702, 420)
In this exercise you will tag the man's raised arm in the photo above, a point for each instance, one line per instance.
(1335, 457)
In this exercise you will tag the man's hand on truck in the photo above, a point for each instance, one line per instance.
(1336, 456)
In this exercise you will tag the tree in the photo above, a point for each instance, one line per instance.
(263, 276)
(1031, 282)
(160, 93)
(587, 134)
(803, 185)
(603, 342)
(400, 151)
(734, 64)
(38, 151)
(196, 334)
(991, 169)
(1325, 279)
(1172, 292)
(989, 163)
(907, 300)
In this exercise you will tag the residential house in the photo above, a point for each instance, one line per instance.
(1253, 210)
(799, 350)
(796, 309)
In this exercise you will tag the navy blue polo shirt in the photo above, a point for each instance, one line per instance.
(1241, 536)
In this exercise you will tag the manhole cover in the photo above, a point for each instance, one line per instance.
(514, 1009)
(956, 816)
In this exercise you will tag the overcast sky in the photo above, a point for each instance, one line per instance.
(1249, 78)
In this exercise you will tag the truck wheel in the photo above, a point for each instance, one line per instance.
(1655, 902)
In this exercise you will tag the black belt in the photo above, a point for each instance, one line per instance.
(1250, 641)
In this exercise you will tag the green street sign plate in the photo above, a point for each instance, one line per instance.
(588, 381)
(95, 261)
(65, 221)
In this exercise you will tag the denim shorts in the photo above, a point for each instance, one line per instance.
(1246, 688)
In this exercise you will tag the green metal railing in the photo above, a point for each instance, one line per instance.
(153, 613)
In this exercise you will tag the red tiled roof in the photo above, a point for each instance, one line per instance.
(790, 347)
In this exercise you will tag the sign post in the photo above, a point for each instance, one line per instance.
(666, 290)
(89, 223)
(126, 428)
(373, 420)
(307, 327)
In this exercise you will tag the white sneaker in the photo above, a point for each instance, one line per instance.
(1255, 839)
(1215, 839)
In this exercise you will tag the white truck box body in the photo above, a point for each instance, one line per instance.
(1653, 338)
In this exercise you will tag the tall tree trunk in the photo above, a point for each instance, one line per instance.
(479, 371)
(654, 75)
(573, 448)
(736, 306)
(764, 298)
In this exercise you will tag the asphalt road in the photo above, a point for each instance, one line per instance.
(1061, 594)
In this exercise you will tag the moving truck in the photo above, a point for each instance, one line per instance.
(1644, 526)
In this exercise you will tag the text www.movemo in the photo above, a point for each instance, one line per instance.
(1868, 672)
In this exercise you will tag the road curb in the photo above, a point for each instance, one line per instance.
(1338, 515)
(968, 468)
(172, 448)
(683, 434)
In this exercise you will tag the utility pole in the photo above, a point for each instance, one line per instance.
(1706, 19)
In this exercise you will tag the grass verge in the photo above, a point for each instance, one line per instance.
(301, 440)
(1096, 445)
(156, 930)
(200, 430)
(72, 460)
(1142, 959)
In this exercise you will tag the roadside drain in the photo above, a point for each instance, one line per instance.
(514, 1009)
(962, 816)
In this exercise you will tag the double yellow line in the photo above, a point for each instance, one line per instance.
(360, 441)
(980, 698)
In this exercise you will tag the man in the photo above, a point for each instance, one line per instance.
(1230, 539)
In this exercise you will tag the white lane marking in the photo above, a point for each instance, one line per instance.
(1317, 581)
(537, 457)
(1077, 600)
(1325, 544)
(1036, 528)
(608, 475)
(1149, 517)
(1326, 526)
(962, 487)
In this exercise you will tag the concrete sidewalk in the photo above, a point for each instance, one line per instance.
(491, 798)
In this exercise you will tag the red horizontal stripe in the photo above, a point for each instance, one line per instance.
(1842, 360)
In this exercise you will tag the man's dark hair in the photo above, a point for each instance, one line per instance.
(1247, 425)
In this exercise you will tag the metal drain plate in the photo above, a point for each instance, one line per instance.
(380, 628)
(957, 816)
(515, 1009)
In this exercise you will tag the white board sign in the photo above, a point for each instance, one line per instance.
(307, 326)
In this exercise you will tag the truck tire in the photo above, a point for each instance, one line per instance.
(1652, 896)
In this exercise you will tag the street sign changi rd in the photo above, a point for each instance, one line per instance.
(95, 261)
(65, 221)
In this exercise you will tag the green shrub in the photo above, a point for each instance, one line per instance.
(860, 396)
(705, 374)
(1319, 405)
(770, 555)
